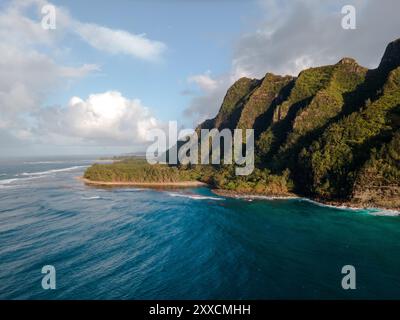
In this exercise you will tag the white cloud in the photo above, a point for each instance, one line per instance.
(26, 77)
(18, 29)
(29, 72)
(295, 35)
(105, 119)
(206, 104)
(120, 41)
(70, 72)
(204, 81)
(299, 34)
(16, 25)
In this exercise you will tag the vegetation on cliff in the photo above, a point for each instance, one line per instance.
(331, 133)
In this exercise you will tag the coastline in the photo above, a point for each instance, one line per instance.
(183, 184)
(242, 195)
(334, 204)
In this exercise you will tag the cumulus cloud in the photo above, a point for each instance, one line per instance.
(29, 72)
(25, 79)
(104, 119)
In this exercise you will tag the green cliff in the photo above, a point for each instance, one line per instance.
(332, 134)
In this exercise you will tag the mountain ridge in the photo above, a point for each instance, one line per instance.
(328, 127)
(331, 134)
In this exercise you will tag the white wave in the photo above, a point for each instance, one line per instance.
(371, 210)
(340, 207)
(132, 190)
(386, 212)
(41, 173)
(91, 198)
(320, 204)
(43, 162)
(8, 181)
(62, 161)
(193, 196)
(3, 174)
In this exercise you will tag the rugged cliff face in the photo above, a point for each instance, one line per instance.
(335, 128)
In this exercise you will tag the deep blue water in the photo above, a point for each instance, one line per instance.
(131, 243)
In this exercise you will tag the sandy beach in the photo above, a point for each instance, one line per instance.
(182, 184)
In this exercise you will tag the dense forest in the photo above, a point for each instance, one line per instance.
(332, 133)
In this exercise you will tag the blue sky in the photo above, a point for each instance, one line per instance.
(112, 70)
(199, 38)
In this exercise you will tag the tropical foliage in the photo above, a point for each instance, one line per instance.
(331, 133)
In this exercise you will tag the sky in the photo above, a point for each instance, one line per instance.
(111, 71)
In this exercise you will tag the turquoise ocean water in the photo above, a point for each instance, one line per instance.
(134, 243)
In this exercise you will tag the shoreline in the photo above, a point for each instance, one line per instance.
(185, 184)
(334, 204)
(240, 195)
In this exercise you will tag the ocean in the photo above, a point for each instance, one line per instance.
(137, 243)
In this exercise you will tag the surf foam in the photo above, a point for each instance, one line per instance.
(193, 196)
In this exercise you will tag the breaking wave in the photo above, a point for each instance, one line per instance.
(193, 196)
(41, 173)
(91, 198)
(8, 181)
